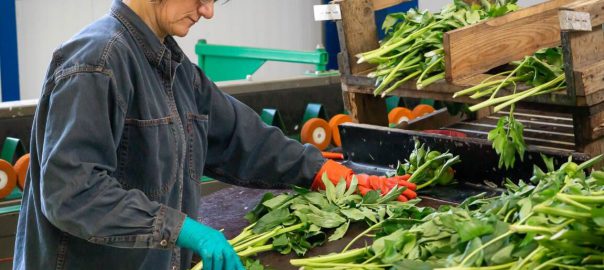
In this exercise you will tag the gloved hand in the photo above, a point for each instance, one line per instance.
(210, 244)
(336, 171)
(385, 184)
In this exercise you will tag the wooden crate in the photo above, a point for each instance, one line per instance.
(534, 28)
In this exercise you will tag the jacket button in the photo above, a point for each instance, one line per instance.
(163, 243)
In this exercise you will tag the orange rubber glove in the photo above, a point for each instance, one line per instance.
(336, 171)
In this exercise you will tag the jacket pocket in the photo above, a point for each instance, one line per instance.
(197, 133)
(147, 156)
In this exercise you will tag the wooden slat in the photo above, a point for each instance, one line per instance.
(594, 7)
(382, 4)
(478, 48)
(590, 79)
(365, 109)
(360, 31)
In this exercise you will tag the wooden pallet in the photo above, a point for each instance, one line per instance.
(534, 28)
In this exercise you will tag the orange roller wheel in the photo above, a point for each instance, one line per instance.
(333, 125)
(421, 110)
(316, 131)
(8, 178)
(21, 167)
(400, 114)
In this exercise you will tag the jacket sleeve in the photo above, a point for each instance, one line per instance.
(85, 119)
(244, 151)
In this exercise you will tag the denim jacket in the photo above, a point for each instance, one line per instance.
(125, 127)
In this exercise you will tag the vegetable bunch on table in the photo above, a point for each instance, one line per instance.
(555, 221)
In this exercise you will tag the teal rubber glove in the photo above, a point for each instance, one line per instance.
(210, 244)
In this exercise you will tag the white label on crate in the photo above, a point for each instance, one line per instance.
(575, 21)
(327, 12)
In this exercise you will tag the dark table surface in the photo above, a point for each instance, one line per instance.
(224, 209)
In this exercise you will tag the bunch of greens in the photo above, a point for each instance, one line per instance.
(302, 220)
(554, 222)
(428, 167)
(413, 46)
(543, 72)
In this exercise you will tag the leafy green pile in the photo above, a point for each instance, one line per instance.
(543, 72)
(302, 220)
(428, 167)
(413, 46)
(554, 222)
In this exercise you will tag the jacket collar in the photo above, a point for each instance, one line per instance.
(154, 50)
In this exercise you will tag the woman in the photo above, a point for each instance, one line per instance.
(125, 127)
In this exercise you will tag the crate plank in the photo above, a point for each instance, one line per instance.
(478, 48)
(590, 79)
(382, 4)
(358, 32)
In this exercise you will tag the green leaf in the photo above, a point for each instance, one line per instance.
(339, 232)
(277, 201)
(326, 219)
(371, 197)
(280, 241)
(477, 259)
(353, 186)
(317, 199)
(353, 214)
(411, 265)
(598, 216)
(470, 229)
(271, 220)
(340, 189)
(260, 209)
(330, 191)
(504, 255)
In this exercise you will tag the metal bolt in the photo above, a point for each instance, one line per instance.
(163, 243)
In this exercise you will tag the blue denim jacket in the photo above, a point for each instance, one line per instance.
(124, 129)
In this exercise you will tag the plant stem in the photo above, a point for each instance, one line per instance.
(508, 233)
(493, 267)
(371, 228)
(584, 199)
(330, 258)
(554, 260)
(560, 212)
(525, 260)
(565, 198)
(527, 229)
(431, 80)
(397, 84)
(255, 250)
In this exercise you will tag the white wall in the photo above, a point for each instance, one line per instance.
(42, 25)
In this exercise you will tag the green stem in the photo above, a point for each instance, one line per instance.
(399, 83)
(493, 267)
(391, 76)
(585, 199)
(502, 84)
(371, 228)
(330, 258)
(388, 48)
(528, 228)
(425, 72)
(554, 260)
(350, 265)
(255, 250)
(269, 235)
(431, 80)
(531, 92)
(569, 266)
(560, 212)
(565, 198)
(508, 233)
(530, 256)
(476, 88)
